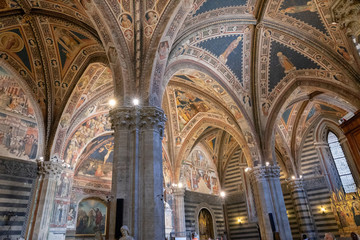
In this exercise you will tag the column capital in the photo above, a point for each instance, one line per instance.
(179, 192)
(264, 172)
(49, 168)
(296, 184)
(123, 117)
(152, 118)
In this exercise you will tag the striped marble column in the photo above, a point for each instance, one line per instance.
(302, 208)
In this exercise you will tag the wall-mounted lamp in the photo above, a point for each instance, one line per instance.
(247, 169)
(180, 185)
(323, 210)
(293, 177)
(267, 164)
(239, 220)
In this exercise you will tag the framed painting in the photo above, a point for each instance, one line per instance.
(91, 218)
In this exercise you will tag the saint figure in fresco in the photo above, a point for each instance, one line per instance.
(285, 62)
(223, 57)
(109, 147)
(310, 6)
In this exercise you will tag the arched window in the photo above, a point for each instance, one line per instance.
(341, 164)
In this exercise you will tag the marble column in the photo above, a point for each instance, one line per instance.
(302, 208)
(269, 201)
(179, 194)
(137, 171)
(48, 173)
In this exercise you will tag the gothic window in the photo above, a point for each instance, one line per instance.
(341, 164)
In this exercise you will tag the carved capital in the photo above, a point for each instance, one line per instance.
(179, 192)
(152, 118)
(262, 173)
(123, 118)
(49, 168)
(296, 185)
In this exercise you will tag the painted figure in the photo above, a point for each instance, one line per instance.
(125, 20)
(285, 62)
(223, 57)
(310, 6)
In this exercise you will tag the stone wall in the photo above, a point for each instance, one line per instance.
(17, 188)
(194, 202)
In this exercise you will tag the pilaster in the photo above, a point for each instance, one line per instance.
(179, 194)
(48, 172)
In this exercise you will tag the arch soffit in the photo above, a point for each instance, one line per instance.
(118, 53)
(16, 77)
(152, 78)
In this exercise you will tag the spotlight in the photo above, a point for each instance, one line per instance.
(267, 164)
(293, 177)
(112, 102)
(222, 194)
(136, 101)
(180, 185)
(247, 169)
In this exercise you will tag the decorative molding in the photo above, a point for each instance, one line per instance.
(123, 118)
(50, 168)
(262, 173)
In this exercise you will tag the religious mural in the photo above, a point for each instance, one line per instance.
(188, 105)
(91, 218)
(198, 173)
(206, 227)
(88, 130)
(346, 209)
(96, 160)
(18, 126)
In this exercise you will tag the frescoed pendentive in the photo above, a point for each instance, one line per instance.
(304, 10)
(97, 159)
(286, 60)
(18, 126)
(198, 173)
(210, 5)
(229, 51)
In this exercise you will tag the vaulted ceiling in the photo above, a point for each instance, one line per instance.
(235, 69)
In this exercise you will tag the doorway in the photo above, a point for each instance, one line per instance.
(206, 226)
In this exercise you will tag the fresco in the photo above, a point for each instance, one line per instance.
(304, 10)
(346, 208)
(91, 217)
(188, 106)
(206, 227)
(286, 115)
(166, 170)
(96, 160)
(88, 130)
(209, 5)
(228, 49)
(11, 42)
(286, 60)
(199, 173)
(69, 43)
(18, 127)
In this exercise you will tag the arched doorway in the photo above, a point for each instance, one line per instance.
(206, 226)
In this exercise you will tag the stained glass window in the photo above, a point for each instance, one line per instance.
(341, 164)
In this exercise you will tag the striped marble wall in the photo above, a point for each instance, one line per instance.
(194, 202)
(317, 189)
(235, 202)
(17, 186)
(290, 210)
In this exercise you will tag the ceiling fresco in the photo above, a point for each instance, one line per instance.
(209, 5)
(286, 60)
(95, 162)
